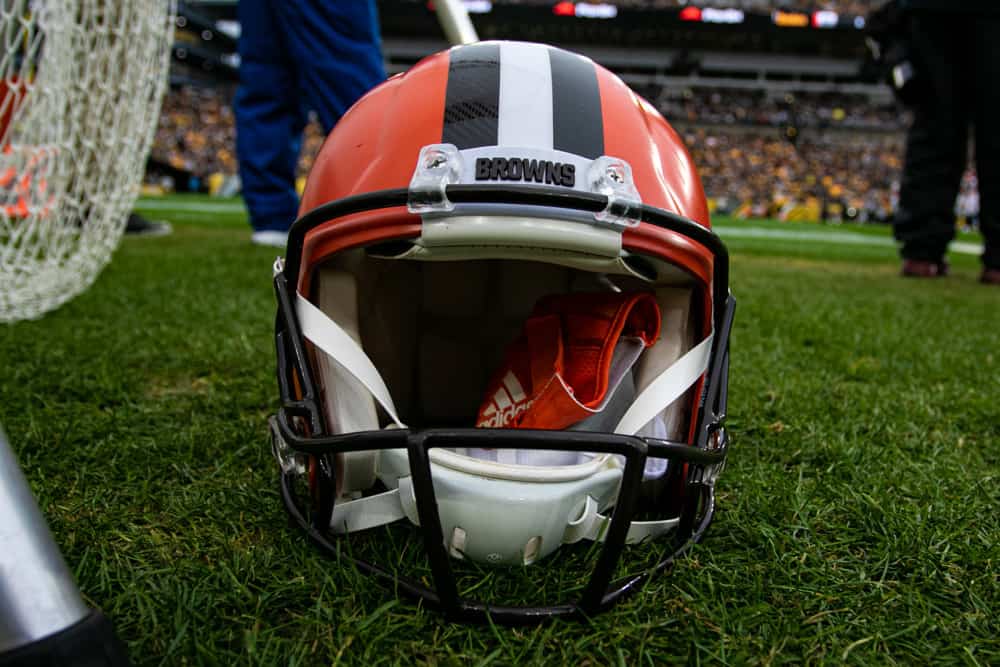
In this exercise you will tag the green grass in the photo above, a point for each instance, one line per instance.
(858, 513)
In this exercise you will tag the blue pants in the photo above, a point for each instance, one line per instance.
(296, 56)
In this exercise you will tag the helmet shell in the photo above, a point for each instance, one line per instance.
(376, 144)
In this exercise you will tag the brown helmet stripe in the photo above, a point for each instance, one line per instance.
(472, 98)
(577, 124)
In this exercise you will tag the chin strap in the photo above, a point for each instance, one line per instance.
(651, 401)
(666, 388)
(338, 345)
(377, 510)
(383, 508)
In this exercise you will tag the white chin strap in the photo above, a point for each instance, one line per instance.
(338, 345)
(666, 388)
(581, 523)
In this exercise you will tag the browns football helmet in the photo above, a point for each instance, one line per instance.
(503, 320)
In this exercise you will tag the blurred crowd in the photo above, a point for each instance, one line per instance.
(197, 133)
(826, 177)
(758, 156)
(804, 110)
(196, 136)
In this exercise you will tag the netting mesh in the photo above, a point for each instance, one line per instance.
(81, 83)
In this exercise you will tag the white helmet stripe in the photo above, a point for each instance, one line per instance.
(525, 96)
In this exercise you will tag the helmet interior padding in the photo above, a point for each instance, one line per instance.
(437, 331)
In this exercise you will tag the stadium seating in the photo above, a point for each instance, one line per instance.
(792, 129)
(749, 164)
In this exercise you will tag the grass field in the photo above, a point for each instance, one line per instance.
(858, 514)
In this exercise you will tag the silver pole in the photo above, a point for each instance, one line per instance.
(455, 21)
(38, 596)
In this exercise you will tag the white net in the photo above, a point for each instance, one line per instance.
(81, 83)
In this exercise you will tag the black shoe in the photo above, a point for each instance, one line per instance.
(923, 268)
(140, 226)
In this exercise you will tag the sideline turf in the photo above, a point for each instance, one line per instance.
(858, 518)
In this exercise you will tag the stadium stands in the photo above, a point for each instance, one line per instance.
(749, 164)
(196, 139)
(818, 178)
(196, 131)
(829, 110)
(793, 128)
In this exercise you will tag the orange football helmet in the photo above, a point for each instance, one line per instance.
(503, 318)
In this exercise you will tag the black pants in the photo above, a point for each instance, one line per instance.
(958, 56)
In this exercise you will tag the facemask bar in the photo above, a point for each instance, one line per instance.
(300, 412)
(599, 594)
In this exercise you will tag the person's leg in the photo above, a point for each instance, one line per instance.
(337, 52)
(986, 36)
(935, 146)
(268, 125)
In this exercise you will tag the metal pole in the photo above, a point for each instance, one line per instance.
(38, 596)
(455, 21)
(43, 620)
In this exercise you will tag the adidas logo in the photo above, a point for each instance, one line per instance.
(507, 404)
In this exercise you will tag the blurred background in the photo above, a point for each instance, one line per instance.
(777, 99)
